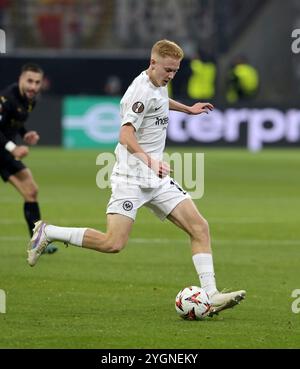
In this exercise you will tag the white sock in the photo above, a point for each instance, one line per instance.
(74, 236)
(205, 269)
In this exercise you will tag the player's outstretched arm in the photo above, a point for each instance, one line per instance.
(20, 152)
(31, 138)
(195, 109)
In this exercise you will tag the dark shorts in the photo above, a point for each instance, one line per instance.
(9, 165)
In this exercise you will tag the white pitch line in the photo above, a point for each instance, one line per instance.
(156, 241)
(144, 221)
(237, 241)
(13, 238)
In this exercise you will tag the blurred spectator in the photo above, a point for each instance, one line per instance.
(50, 28)
(242, 81)
(201, 83)
(73, 31)
(113, 86)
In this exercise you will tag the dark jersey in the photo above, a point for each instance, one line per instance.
(14, 111)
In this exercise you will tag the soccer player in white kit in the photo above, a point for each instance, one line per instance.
(140, 177)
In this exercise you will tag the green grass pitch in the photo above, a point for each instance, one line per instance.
(83, 299)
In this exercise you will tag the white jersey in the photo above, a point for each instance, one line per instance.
(146, 107)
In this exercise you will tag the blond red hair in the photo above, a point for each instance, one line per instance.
(164, 48)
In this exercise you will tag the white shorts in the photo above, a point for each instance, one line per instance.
(126, 198)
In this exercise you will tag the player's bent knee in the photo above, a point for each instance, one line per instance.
(116, 246)
(205, 225)
(114, 249)
(31, 194)
(201, 229)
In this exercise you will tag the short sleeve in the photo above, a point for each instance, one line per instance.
(134, 107)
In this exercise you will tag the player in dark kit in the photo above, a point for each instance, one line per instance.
(16, 102)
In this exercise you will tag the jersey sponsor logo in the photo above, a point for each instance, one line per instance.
(127, 205)
(161, 121)
(157, 108)
(138, 107)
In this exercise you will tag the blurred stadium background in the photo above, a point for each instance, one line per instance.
(90, 51)
(95, 48)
